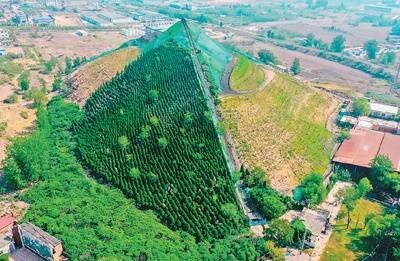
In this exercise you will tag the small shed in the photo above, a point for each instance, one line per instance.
(38, 241)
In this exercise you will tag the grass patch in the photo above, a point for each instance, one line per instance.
(282, 129)
(246, 75)
(10, 68)
(346, 245)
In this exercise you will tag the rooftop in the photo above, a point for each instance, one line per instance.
(364, 145)
(5, 221)
(383, 108)
(39, 234)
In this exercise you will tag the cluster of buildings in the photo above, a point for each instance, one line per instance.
(5, 41)
(376, 134)
(26, 241)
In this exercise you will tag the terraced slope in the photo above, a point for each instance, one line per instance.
(282, 129)
(149, 132)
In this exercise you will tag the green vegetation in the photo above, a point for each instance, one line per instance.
(24, 115)
(311, 191)
(383, 176)
(68, 65)
(371, 47)
(246, 75)
(388, 58)
(296, 68)
(352, 244)
(269, 201)
(273, 252)
(3, 127)
(338, 44)
(10, 68)
(360, 107)
(267, 57)
(181, 163)
(95, 222)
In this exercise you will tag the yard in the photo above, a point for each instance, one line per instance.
(282, 129)
(246, 75)
(347, 245)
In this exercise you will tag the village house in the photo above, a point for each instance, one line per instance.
(383, 111)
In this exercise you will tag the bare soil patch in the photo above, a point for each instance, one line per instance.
(88, 78)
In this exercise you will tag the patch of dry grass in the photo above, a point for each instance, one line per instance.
(88, 78)
(282, 129)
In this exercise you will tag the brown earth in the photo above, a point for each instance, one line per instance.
(317, 69)
(88, 78)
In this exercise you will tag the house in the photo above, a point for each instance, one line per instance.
(2, 51)
(31, 237)
(43, 20)
(383, 111)
(115, 18)
(364, 145)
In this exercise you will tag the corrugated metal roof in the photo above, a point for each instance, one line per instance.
(383, 108)
(364, 145)
(391, 147)
(360, 149)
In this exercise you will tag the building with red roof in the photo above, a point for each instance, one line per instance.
(364, 145)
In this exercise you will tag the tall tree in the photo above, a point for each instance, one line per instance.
(310, 40)
(371, 47)
(296, 68)
(338, 44)
(360, 107)
(68, 65)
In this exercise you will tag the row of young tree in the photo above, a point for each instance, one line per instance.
(93, 221)
(149, 132)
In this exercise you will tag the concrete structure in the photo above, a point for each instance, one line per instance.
(38, 241)
(20, 18)
(43, 20)
(115, 18)
(92, 19)
(364, 145)
(82, 33)
(383, 111)
(377, 125)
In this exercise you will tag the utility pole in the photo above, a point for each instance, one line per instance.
(304, 239)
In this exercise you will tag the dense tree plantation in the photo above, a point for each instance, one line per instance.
(148, 131)
(93, 221)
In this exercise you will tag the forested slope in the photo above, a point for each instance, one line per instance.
(149, 132)
(92, 220)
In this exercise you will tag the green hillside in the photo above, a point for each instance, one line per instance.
(93, 221)
(149, 132)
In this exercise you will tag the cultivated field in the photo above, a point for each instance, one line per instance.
(282, 129)
(246, 75)
(89, 77)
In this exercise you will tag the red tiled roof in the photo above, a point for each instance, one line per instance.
(5, 221)
(391, 147)
(364, 145)
(360, 149)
